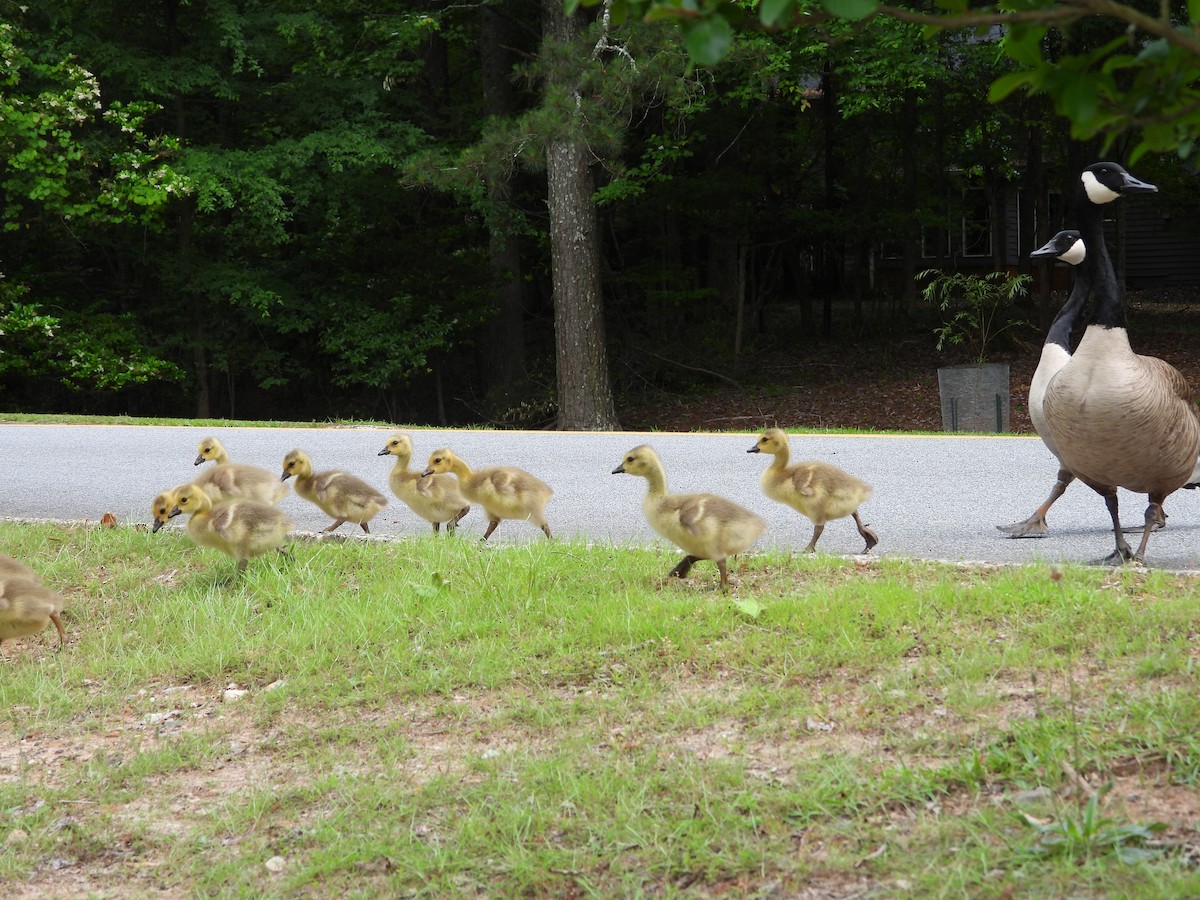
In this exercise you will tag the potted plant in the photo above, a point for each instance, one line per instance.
(976, 311)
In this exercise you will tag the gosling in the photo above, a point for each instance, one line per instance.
(344, 496)
(504, 492)
(27, 606)
(242, 529)
(228, 480)
(435, 498)
(704, 526)
(817, 490)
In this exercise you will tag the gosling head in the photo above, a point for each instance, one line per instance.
(191, 499)
(638, 461)
(398, 445)
(296, 463)
(770, 441)
(211, 449)
(162, 509)
(440, 461)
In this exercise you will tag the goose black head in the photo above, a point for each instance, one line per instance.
(1104, 182)
(1066, 245)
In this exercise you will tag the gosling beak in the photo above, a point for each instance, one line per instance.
(754, 449)
(619, 470)
(427, 472)
(175, 511)
(383, 452)
(158, 523)
(199, 461)
(285, 476)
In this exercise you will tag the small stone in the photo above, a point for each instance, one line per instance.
(232, 695)
(276, 864)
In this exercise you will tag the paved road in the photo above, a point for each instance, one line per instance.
(935, 497)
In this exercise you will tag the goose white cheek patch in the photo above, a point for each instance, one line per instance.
(1075, 254)
(1096, 191)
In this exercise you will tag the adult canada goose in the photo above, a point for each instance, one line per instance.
(817, 490)
(27, 606)
(435, 498)
(242, 528)
(1070, 248)
(704, 526)
(504, 492)
(227, 480)
(344, 496)
(1119, 419)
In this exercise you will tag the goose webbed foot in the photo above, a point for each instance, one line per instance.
(1117, 558)
(866, 533)
(1034, 526)
(685, 566)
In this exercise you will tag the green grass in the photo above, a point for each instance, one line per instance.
(440, 717)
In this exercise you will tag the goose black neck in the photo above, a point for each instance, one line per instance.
(1064, 322)
(1109, 310)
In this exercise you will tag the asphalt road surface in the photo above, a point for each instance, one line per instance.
(936, 497)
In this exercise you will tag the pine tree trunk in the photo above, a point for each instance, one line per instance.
(585, 399)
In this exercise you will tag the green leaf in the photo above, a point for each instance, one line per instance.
(1080, 100)
(850, 9)
(1156, 51)
(750, 607)
(1025, 46)
(771, 11)
(708, 40)
(1006, 84)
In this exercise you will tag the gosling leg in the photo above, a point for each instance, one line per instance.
(685, 566)
(817, 529)
(546, 529)
(724, 574)
(437, 526)
(453, 525)
(363, 526)
(492, 523)
(1035, 525)
(62, 634)
(867, 534)
(337, 524)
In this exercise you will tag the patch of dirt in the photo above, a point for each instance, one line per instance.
(890, 383)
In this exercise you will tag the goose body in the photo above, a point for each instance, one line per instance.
(435, 498)
(228, 480)
(1069, 247)
(1120, 420)
(27, 606)
(10, 567)
(242, 529)
(504, 492)
(703, 526)
(339, 494)
(819, 491)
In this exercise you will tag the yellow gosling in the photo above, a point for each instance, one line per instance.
(435, 498)
(504, 492)
(339, 494)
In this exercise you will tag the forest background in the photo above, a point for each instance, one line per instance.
(516, 214)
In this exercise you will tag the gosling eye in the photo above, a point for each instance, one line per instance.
(629, 459)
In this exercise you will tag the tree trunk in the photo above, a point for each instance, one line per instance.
(585, 399)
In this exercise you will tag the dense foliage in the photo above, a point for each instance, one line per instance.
(334, 209)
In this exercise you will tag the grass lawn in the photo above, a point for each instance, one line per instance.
(440, 717)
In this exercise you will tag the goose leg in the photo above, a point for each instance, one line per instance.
(1035, 525)
(337, 524)
(1160, 522)
(462, 514)
(363, 526)
(1122, 553)
(867, 534)
(492, 523)
(62, 634)
(812, 545)
(1154, 516)
(241, 567)
(685, 566)
(546, 528)
(437, 526)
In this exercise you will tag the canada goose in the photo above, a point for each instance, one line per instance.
(1070, 248)
(504, 492)
(1119, 419)
(435, 498)
(704, 526)
(817, 490)
(27, 606)
(228, 480)
(242, 528)
(163, 508)
(344, 496)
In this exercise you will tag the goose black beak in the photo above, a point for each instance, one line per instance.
(1048, 251)
(285, 476)
(158, 523)
(383, 452)
(619, 470)
(199, 461)
(1131, 185)
(754, 449)
(427, 472)
(175, 511)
